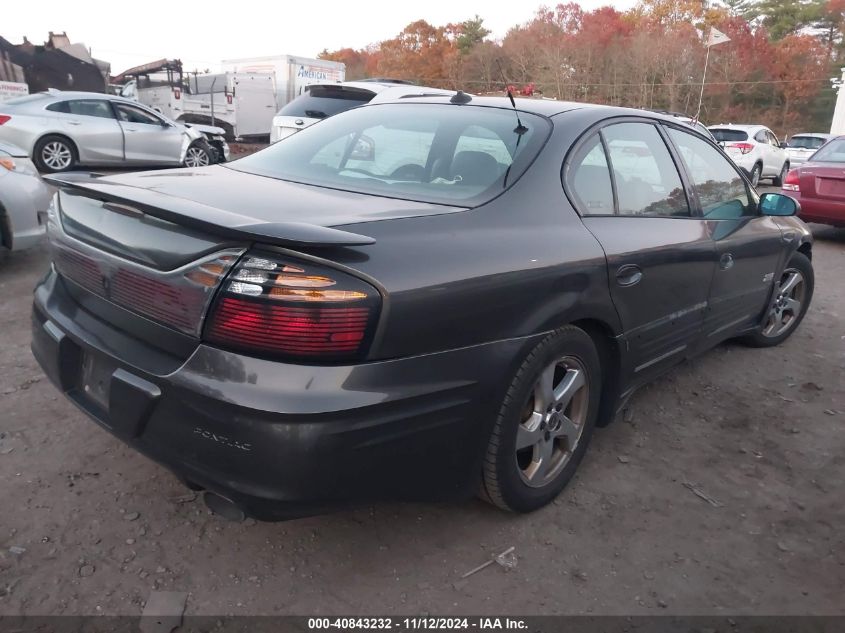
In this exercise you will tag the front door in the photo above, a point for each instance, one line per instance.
(660, 256)
(148, 138)
(749, 246)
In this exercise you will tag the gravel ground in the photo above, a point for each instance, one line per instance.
(87, 526)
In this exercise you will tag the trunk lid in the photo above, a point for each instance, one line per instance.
(159, 244)
(822, 180)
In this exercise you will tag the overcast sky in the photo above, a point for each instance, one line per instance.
(202, 34)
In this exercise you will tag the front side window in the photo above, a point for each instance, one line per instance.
(131, 114)
(647, 181)
(439, 153)
(720, 189)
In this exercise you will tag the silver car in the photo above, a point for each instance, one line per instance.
(62, 130)
(24, 199)
(801, 146)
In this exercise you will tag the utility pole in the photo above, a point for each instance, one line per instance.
(837, 126)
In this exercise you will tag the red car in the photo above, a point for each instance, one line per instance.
(819, 184)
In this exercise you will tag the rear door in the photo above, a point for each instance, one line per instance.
(660, 256)
(749, 246)
(766, 154)
(148, 138)
(91, 124)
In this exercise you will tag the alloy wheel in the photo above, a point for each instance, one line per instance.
(56, 155)
(196, 157)
(553, 421)
(786, 308)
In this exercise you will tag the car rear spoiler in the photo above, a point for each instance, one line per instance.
(204, 217)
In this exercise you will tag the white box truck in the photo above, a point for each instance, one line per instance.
(292, 73)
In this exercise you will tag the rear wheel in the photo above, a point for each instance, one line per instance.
(777, 182)
(754, 176)
(545, 422)
(54, 153)
(792, 295)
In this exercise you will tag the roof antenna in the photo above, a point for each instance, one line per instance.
(520, 128)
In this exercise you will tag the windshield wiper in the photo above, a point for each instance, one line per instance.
(316, 114)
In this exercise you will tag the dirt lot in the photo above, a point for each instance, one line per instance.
(89, 527)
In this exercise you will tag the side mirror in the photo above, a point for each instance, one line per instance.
(365, 149)
(783, 145)
(777, 204)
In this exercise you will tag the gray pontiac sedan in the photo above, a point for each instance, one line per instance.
(424, 299)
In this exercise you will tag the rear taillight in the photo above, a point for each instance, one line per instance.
(744, 148)
(4, 118)
(277, 306)
(792, 180)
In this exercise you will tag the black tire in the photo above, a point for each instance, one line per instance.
(49, 150)
(800, 263)
(754, 175)
(778, 181)
(196, 150)
(503, 482)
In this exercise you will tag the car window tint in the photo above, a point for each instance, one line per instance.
(86, 107)
(589, 179)
(647, 181)
(805, 142)
(130, 114)
(726, 135)
(417, 151)
(59, 106)
(720, 189)
(319, 102)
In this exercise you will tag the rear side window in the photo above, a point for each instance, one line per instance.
(728, 136)
(83, 107)
(589, 179)
(647, 181)
(320, 102)
(833, 152)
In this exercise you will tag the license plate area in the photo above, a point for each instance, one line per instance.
(95, 380)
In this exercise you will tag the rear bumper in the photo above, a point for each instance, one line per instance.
(22, 199)
(283, 440)
(820, 210)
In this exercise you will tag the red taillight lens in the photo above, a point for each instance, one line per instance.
(792, 181)
(274, 306)
(744, 148)
(4, 118)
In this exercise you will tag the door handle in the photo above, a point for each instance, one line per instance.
(726, 261)
(628, 275)
(130, 129)
(74, 122)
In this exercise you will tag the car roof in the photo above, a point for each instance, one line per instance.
(816, 134)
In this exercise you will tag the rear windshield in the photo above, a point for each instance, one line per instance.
(806, 142)
(320, 102)
(724, 135)
(440, 153)
(833, 152)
